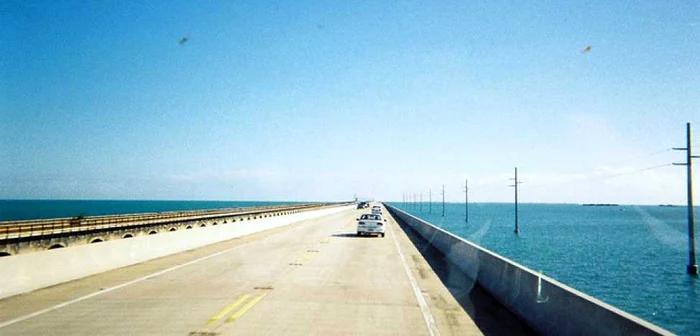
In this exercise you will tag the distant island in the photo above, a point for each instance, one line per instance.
(668, 205)
(601, 204)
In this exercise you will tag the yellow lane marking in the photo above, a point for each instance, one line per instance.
(306, 257)
(228, 309)
(245, 308)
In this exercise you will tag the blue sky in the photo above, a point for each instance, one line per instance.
(301, 100)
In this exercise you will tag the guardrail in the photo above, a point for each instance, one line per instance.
(548, 306)
(23, 229)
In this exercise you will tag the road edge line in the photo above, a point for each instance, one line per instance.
(111, 289)
(427, 315)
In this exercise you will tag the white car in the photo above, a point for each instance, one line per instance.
(371, 224)
(377, 210)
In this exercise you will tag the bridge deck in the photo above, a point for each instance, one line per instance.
(313, 277)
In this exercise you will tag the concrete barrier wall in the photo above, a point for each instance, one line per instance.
(548, 306)
(26, 272)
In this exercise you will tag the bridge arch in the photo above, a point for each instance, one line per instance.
(189, 227)
(56, 246)
(128, 235)
(173, 229)
(96, 240)
(153, 232)
(5, 254)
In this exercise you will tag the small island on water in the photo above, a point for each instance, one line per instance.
(601, 204)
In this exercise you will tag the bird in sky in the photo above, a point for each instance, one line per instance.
(586, 49)
(184, 39)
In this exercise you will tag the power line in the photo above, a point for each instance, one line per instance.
(606, 177)
(652, 154)
(635, 171)
(635, 158)
(493, 186)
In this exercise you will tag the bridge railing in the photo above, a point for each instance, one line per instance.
(548, 306)
(45, 227)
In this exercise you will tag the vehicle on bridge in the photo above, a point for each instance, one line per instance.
(377, 210)
(371, 224)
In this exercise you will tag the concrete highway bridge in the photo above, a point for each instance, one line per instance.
(299, 270)
(46, 234)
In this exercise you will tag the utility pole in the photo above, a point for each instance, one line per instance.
(443, 200)
(515, 185)
(421, 201)
(466, 200)
(430, 202)
(692, 267)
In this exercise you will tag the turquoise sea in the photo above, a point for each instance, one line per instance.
(632, 257)
(35, 209)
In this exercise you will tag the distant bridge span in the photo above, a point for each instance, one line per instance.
(26, 236)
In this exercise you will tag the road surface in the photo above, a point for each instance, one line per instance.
(310, 278)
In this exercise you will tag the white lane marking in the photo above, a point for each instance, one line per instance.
(129, 283)
(107, 290)
(427, 316)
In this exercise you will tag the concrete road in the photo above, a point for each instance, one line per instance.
(311, 278)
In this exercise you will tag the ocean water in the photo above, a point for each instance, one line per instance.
(632, 257)
(36, 209)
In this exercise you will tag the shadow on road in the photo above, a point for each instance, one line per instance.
(490, 316)
(353, 235)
